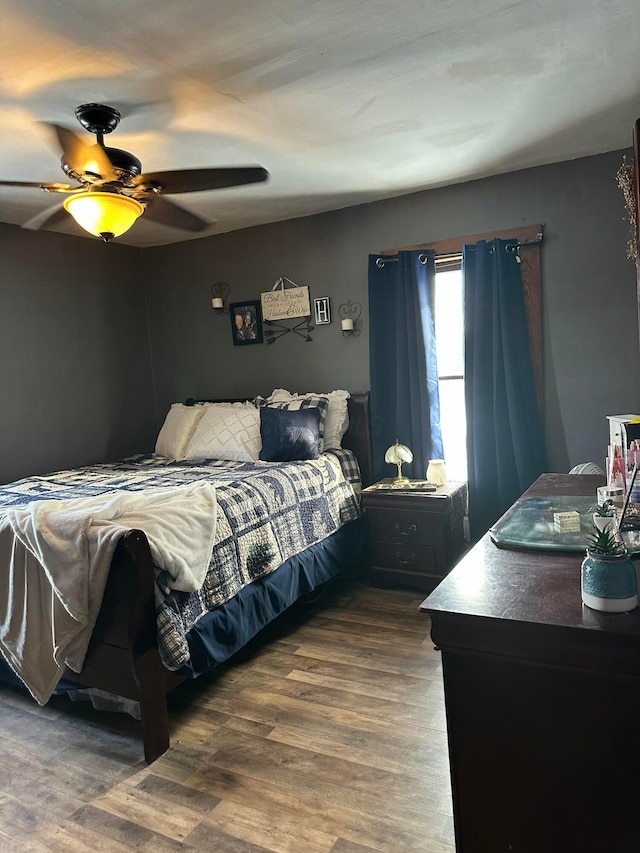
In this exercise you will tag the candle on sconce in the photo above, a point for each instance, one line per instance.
(350, 313)
(217, 302)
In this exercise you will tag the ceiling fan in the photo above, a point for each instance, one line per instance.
(113, 191)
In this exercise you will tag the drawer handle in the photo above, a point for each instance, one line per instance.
(411, 529)
(405, 562)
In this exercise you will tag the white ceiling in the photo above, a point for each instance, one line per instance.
(343, 101)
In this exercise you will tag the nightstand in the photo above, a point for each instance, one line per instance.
(416, 536)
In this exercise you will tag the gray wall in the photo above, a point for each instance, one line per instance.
(192, 346)
(589, 311)
(76, 380)
(75, 366)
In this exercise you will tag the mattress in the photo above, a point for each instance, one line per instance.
(267, 513)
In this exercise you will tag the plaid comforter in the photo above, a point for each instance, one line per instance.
(266, 513)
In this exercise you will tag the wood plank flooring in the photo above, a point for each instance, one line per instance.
(326, 735)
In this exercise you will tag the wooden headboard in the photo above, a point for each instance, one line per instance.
(357, 438)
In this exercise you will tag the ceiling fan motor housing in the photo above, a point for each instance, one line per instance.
(125, 165)
(100, 119)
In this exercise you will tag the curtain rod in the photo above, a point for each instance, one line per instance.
(450, 257)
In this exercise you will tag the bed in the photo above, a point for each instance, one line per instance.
(124, 656)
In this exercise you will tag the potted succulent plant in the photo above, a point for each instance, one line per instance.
(604, 518)
(608, 578)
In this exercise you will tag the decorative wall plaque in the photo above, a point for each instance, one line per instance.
(285, 301)
(322, 308)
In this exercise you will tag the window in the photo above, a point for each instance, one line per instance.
(449, 327)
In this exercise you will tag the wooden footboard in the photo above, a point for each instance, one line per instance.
(123, 655)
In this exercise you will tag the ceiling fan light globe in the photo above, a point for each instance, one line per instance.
(103, 213)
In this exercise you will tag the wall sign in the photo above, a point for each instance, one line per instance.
(285, 301)
(322, 307)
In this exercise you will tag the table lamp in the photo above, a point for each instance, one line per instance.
(398, 454)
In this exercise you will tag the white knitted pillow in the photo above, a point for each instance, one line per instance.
(228, 431)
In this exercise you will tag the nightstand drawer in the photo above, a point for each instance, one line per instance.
(397, 525)
(404, 557)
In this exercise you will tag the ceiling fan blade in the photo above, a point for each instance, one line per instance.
(81, 157)
(196, 180)
(51, 216)
(42, 185)
(169, 213)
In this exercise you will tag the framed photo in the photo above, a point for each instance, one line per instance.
(246, 322)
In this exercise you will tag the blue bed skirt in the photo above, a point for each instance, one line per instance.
(224, 631)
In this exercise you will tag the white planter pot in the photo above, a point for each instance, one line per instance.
(609, 583)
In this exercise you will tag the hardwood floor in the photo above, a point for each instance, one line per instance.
(328, 735)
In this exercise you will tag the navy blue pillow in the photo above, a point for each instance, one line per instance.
(289, 435)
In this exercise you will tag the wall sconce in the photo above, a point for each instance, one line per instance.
(219, 297)
(349, 315)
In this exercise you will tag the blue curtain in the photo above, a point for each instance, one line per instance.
(404, 373)
(505, 442)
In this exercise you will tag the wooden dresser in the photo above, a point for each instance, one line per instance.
(416, 537)
(543, 701)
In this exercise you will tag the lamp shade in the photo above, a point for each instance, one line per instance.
(397, 454)
(105, 215)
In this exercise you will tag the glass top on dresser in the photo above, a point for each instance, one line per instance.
(529, 524)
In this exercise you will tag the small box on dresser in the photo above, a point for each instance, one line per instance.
(416, 536)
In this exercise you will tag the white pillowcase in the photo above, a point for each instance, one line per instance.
(177, 429)
(228, 431)
(337, 420)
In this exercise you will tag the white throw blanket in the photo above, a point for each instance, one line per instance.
(55, 558)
